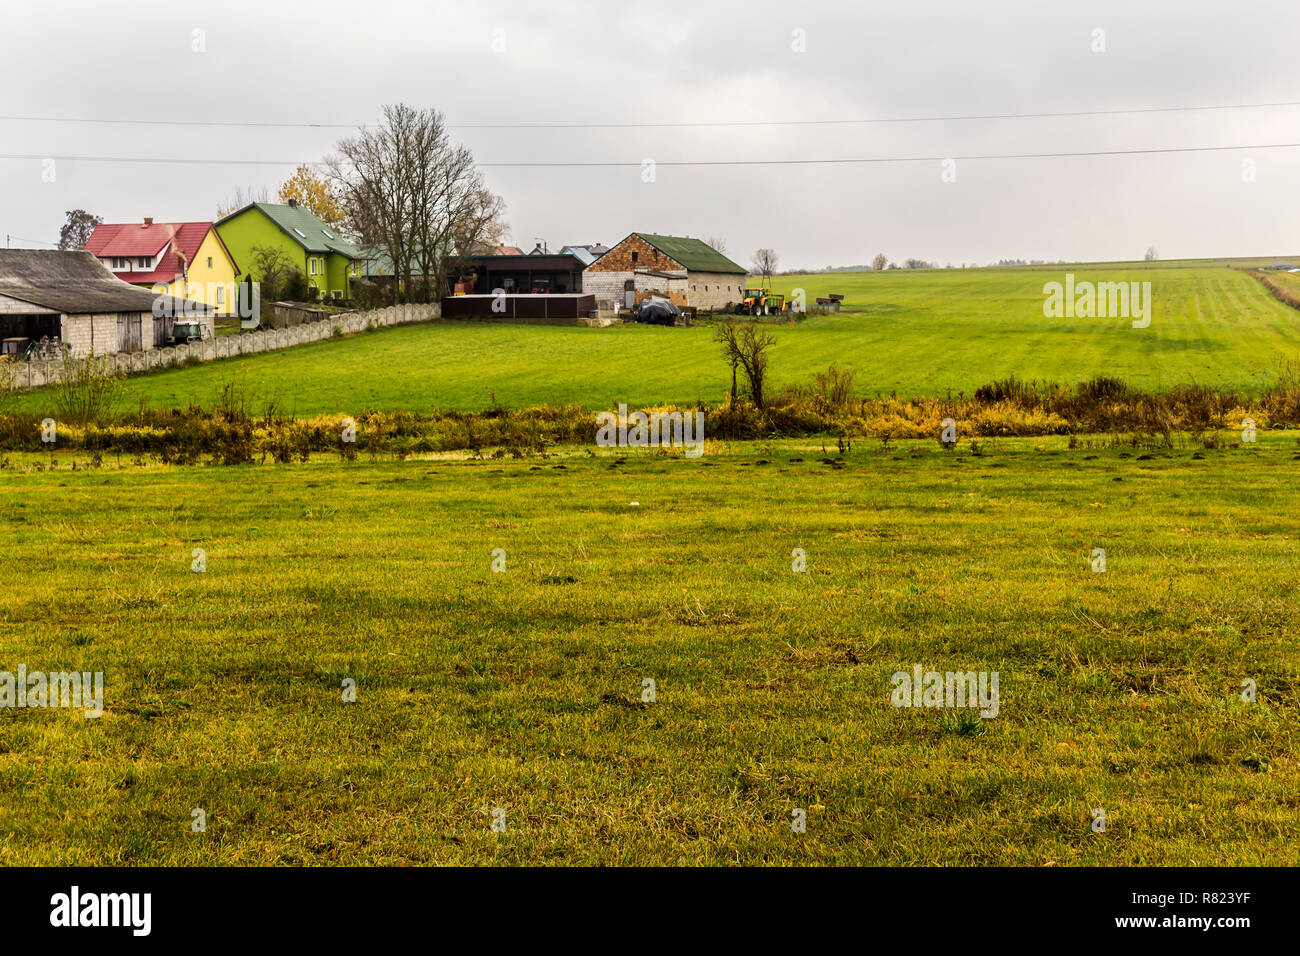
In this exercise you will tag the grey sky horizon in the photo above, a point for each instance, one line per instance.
(575, 62)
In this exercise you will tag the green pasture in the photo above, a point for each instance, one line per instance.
(522, 690)
(914, 333)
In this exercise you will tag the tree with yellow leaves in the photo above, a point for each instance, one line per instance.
(314, 193)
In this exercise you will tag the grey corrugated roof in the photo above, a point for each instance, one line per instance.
(74, 283)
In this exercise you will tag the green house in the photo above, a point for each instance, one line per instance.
(329, 263)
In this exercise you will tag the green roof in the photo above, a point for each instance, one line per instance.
(695, 255)
(302, 227)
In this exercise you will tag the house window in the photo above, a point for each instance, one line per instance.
(311, 265)
(143, 262)
(221, 295)
(633, 258)
(209, 262)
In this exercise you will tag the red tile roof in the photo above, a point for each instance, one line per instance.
(131, 240)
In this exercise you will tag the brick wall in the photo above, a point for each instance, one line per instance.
(81, 333)
(714, 290)
(620, 259)
(10, 306)
(607, 287)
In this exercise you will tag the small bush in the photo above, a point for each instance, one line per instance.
(89, 390)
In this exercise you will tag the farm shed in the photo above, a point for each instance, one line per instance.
(71, 297)
(539, 273)
(703, 277)
(568, 305)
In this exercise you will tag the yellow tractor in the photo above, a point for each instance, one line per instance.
(761, 302)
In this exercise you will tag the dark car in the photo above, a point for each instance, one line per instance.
(185, 332)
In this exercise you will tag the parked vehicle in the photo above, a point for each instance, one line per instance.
(184, 333)
(761, 302)
(16, 348)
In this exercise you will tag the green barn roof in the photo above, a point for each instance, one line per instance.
(695, 255)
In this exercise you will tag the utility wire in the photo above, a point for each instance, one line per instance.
(165, 160)
(677, 125)
(892, 119)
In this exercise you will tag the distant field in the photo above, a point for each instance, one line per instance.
(522, 690)
(914, 333)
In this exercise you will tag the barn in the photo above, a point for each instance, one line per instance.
(71, 299)
(688, 272)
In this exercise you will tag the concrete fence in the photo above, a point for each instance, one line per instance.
(36, 373)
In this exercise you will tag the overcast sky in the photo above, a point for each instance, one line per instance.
(699, 62)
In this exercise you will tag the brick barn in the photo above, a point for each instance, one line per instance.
(71, 300)
(688, 272)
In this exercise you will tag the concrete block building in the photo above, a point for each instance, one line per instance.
(686, 271)
(72, 298)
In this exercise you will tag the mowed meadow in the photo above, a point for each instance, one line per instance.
(922, 333)
(521, 690)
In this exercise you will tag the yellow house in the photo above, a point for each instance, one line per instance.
(184, 259)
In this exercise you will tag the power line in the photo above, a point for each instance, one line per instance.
(161, 160)
(174, 122)
(177, 160)
(673, 125)
(892, 119)
(921, 159)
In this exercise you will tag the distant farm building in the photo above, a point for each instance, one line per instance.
(537, 273)
(512, 273)
(688, 272)
(71, 299)
(588, 254)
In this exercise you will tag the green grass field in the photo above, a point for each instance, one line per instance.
(522, 690)
(914, 333)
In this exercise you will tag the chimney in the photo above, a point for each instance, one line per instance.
(293, 202)
(148, 220)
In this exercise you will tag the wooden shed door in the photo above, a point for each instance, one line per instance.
(129, 331)
(162, 330)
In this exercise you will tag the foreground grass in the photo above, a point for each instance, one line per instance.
(914, 333)
(521, 690)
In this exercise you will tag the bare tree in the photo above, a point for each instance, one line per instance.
(745, 347)
(77, 229)
(243, 196)
(728, 337)
(409, 189)
(880, 262)
(1152, 255)
(765, 264)
(718, 245)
